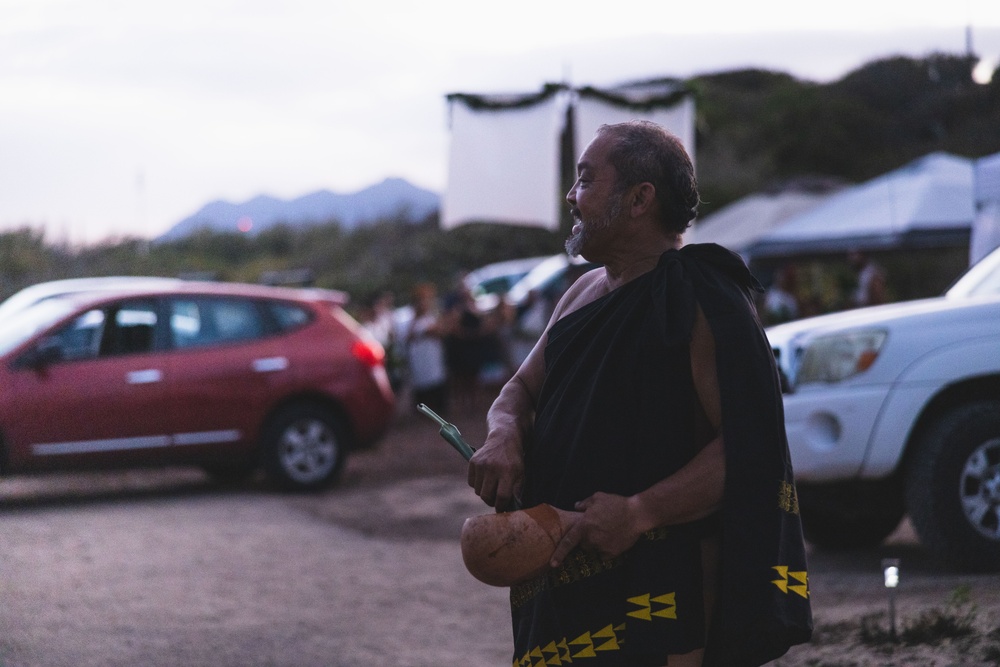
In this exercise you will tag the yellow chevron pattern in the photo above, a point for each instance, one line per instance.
(564, 656)
(587, 643)
(551, 653)
(645, 603)
(591, 644)
(607, 633)
(785, 582)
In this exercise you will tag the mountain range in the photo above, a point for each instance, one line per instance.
(393, 198)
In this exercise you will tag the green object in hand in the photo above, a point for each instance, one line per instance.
(449, 432)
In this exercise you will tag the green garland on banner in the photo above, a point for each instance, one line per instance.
(504, 102)
(654, 101)
(636, 100)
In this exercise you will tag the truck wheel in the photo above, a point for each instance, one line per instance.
(953, 487)
(304, 448)
(850, 515)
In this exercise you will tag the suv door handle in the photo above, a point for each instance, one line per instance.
(148, 376)
(270, 364)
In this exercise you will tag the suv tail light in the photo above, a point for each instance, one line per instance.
(368, 352)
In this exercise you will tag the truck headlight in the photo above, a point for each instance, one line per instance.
(839, 356)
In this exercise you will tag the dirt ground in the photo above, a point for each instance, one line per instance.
(164, 568)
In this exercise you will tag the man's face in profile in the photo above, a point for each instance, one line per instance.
(594, 200)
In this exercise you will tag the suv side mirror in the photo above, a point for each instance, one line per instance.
(46, 351)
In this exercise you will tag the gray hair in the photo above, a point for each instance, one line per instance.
(645, 152)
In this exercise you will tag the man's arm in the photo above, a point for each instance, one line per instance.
(496, 470)
(611, 524)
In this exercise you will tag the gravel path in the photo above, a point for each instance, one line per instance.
(163, 568)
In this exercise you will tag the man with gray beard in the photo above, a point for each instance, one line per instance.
(651, 409)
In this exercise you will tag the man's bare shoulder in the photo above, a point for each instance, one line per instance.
(590, 286)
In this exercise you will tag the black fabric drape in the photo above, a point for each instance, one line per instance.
(617, 413)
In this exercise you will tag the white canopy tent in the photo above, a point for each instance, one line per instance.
(986, 228)
(928, 202)
(740, 224)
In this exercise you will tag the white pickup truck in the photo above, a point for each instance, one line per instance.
(895, 409)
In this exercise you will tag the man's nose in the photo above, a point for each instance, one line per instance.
(571, 195)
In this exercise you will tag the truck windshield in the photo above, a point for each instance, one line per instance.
(980, 280)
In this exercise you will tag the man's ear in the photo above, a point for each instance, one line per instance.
(642, 199)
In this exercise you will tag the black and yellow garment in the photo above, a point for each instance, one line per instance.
(617, 413)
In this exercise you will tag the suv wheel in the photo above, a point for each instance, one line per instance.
(304, 448)
(953, 487)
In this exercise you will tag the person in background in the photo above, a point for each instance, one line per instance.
(872, 287)
(534, 314)
(528, 325)
(465, 346)
(781, 304)
(377, 319)
(428, 375)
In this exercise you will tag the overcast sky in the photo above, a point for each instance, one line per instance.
(121, 117)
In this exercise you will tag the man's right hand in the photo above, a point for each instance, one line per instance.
(496, 471)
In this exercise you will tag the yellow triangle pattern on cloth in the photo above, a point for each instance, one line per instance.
(534, 658)
(643, 613)
(645, 604)
(801, 589)
(588, 646)
(609, 638)
(803, 579)
(608, 633)
(564, 652)
(669, 600)
(782, 583)
(552, 655)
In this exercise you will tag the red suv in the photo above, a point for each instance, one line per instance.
(228, 377)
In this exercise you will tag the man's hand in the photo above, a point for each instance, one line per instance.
(605, 524)
(496, 472)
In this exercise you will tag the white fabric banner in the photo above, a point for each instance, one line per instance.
(503, 165)
(592, 112)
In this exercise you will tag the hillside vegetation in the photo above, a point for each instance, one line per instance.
(756, 129)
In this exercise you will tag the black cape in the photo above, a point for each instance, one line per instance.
(762, 607)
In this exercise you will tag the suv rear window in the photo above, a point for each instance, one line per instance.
(288, 316)
(199, 322)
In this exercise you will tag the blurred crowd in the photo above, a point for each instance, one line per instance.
(788, 298)
(453, 351)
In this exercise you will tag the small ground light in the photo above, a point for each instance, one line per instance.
(890, 570)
